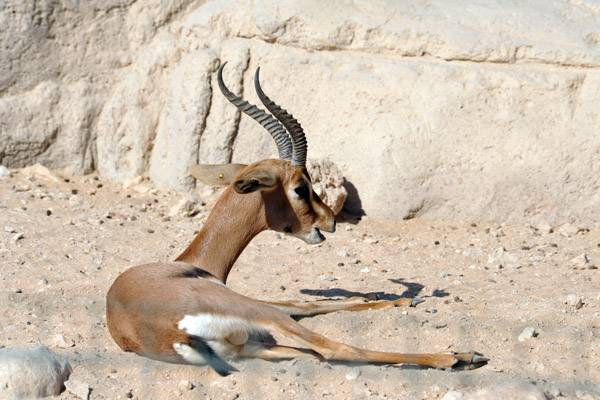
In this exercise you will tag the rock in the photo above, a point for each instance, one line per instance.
(185, 385)
(574, 300)
(328, 183)
(544, 228)
(127, 123)
(61, 342)
(195, 198)
(39, 172)
(182, 209)
(527, 333)
(353, 373)
(554, 392)
(132, 181)
(183, 120)
(78, 388)
(31, 372)
(51, 125)
(4, 172)
(582, 262)
(567, 230)
(377, 89)
(503, 257)
(508, 390)
(453, 395)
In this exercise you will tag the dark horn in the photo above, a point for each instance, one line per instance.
(277, 131)
(299, 145)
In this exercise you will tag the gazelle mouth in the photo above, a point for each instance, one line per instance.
(314, 237)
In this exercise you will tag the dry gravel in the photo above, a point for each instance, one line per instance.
(64, 239)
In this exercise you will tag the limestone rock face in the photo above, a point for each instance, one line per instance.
(480, 112)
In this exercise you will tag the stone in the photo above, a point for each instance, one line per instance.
(51, 125)
(527, 333)
(574, 300)
(127, 123)
(4, 172)
(78, 388)
(582, 262)
(182, 209)
(31, 372)
(567, 230)
(328, 183)
(185, 385)
(353, 373)
(61, 342)
(453, 395)
(508, 390)
(503, 257)
(39, 172)
(182, 121)
(412, 101)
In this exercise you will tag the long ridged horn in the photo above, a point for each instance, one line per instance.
(277, 131)
(299, 145)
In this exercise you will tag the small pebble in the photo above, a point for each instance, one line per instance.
(185, 385)
(4, 172)
(527, 333)
(353, 374)
(78, 388)
(574, 300)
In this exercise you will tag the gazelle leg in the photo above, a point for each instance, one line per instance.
(306, 308)
(335, 351)
(275, 352)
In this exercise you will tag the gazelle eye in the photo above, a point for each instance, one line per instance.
(302, 192)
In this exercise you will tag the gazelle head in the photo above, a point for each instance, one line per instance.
(290, 204)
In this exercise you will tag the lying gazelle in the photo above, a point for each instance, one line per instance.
(183, 312)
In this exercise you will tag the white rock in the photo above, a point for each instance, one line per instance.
(582, 262)
(182, 121)
(61, 342)
(567, 230)
(453, 395)
(78, 388)
(132, 181)
(389, 106)
(353, 373)
(185, 385)
(4, 172)
(527, 333)
(31, 372)
(182, 209)
(509, 390)
(544, 228)
(503, 257)
(574, 300)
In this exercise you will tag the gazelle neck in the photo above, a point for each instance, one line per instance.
(233, 222)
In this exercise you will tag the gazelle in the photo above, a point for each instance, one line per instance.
(183, 312)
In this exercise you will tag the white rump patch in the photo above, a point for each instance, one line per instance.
(214, 327)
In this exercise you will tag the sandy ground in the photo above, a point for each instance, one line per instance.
(63, 241)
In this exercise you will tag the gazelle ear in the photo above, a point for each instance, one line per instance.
(261, 179)
(216, 174)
